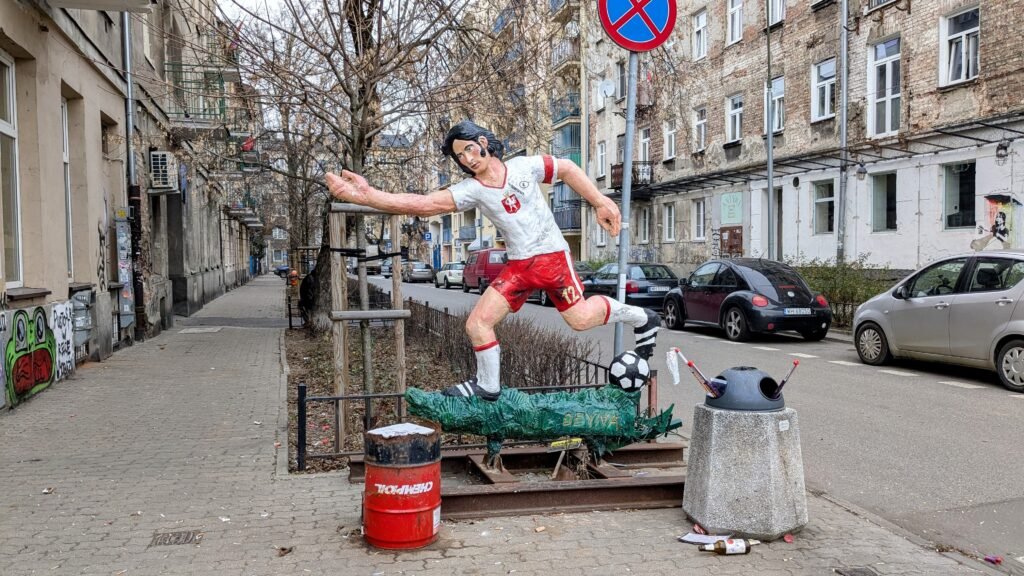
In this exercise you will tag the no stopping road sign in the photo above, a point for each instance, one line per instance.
(638, 25)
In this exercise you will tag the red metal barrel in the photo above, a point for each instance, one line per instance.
(402, 494)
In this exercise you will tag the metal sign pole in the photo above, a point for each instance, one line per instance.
(627, 185)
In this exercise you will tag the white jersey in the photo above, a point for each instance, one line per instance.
(518, 208)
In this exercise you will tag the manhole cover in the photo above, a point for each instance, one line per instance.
(176, 538)
(856, 572)
(201, 330)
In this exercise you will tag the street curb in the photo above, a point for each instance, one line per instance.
(954, 555)
(843, 336)
(281, 434)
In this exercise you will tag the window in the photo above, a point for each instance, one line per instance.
(700, 129)
(960, 195)
(959, 47)
(823, 90)
(824, 207)
(734, 118)
(66, 156)
(735, 32)
(620, 77)
(993, 274)
(698, 219)
(778, 101)
(645, 225)
(599, 94)
(883, 202)
(602, 158)
(704, 275)
(669, 222)
(146, 38)
(670, 139)
(700, 34)
(884, 89)
(937, 280)
(776, 11)
(645, 145)
(602, 234)
(9, 196)
(620, 148)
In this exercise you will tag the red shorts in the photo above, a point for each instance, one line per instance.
(552, 273)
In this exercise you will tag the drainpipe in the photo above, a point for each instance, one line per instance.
(134, 192)
(770, 142)
(844, 156)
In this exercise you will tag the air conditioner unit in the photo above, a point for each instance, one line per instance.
(163, 172)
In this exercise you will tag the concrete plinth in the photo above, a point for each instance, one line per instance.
(746, 474)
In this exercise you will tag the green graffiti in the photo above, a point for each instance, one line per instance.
(30, 358)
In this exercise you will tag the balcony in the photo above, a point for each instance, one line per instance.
(196, 102)
(568, 219)
(446, 236)
(643, 174)
(563, 10)
(570, 153)
(564, 52)
(503, 20)
(467, 233)
(507, 60)
(565, 108)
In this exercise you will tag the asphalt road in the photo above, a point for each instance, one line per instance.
(933, 449)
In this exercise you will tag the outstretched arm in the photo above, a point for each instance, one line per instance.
(608, 215)
(351, 187)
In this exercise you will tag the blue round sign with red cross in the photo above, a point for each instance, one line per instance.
(638, 25)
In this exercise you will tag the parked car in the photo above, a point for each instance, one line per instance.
(449, 275)
(417, 272)
(583, 272)
(385, 267)
(960, 310)
(482, 267)
(746, 295)
(282, 271)
(646, 284)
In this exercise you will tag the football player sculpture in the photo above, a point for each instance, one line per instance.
(605, 418)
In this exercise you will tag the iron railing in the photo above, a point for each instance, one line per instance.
(197, 92)
(643, 173)
(572, 153)
(568, 218)
(565, 50)
(565, 107)
(467, 233)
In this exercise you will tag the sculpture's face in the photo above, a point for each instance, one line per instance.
(30, 352)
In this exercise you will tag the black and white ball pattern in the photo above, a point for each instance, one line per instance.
(629, 371)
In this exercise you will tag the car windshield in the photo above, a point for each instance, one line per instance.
(770, 279)
(650, 272)
(419, 266)
(458, 266)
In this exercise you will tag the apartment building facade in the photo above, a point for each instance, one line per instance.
(933, 126)
(91, 262)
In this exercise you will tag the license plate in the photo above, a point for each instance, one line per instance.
(658, 289)
(797, 311)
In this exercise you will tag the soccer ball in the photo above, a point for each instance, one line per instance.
(629, 371)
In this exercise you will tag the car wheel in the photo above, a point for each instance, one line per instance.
(482, 287)
(674, 316)
(814, 334)
(446, 284)
(544, 300)
(872, 347)
(436, 283)
(465, 286)
(1010, 365)
(735, 325)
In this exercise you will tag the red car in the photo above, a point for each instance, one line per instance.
(482, 268)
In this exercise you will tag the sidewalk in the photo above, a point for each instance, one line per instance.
(177, 434)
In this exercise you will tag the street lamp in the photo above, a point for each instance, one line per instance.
(1002, 151)
(862, 172)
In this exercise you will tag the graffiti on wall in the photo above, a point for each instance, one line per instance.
(1002, 211)
(35, 354)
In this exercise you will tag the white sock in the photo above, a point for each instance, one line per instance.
(488, 366)
(619, 312)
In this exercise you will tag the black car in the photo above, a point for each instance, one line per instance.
(646, 283)
(745, 295)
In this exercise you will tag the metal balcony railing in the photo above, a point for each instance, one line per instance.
(643, 173)
(570, 153)
(567, 218)
(565, 50)
(566, 107)
(446, 236)
(467, 233)
(197, 92)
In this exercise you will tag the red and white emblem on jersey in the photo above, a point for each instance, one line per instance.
(511, 204)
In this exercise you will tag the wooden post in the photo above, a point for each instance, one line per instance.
(339, 330)
(397, 304)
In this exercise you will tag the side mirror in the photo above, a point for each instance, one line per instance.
(900, 293)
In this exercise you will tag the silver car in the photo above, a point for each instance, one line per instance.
(960, 310)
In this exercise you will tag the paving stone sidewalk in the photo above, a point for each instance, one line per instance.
(177, 434)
